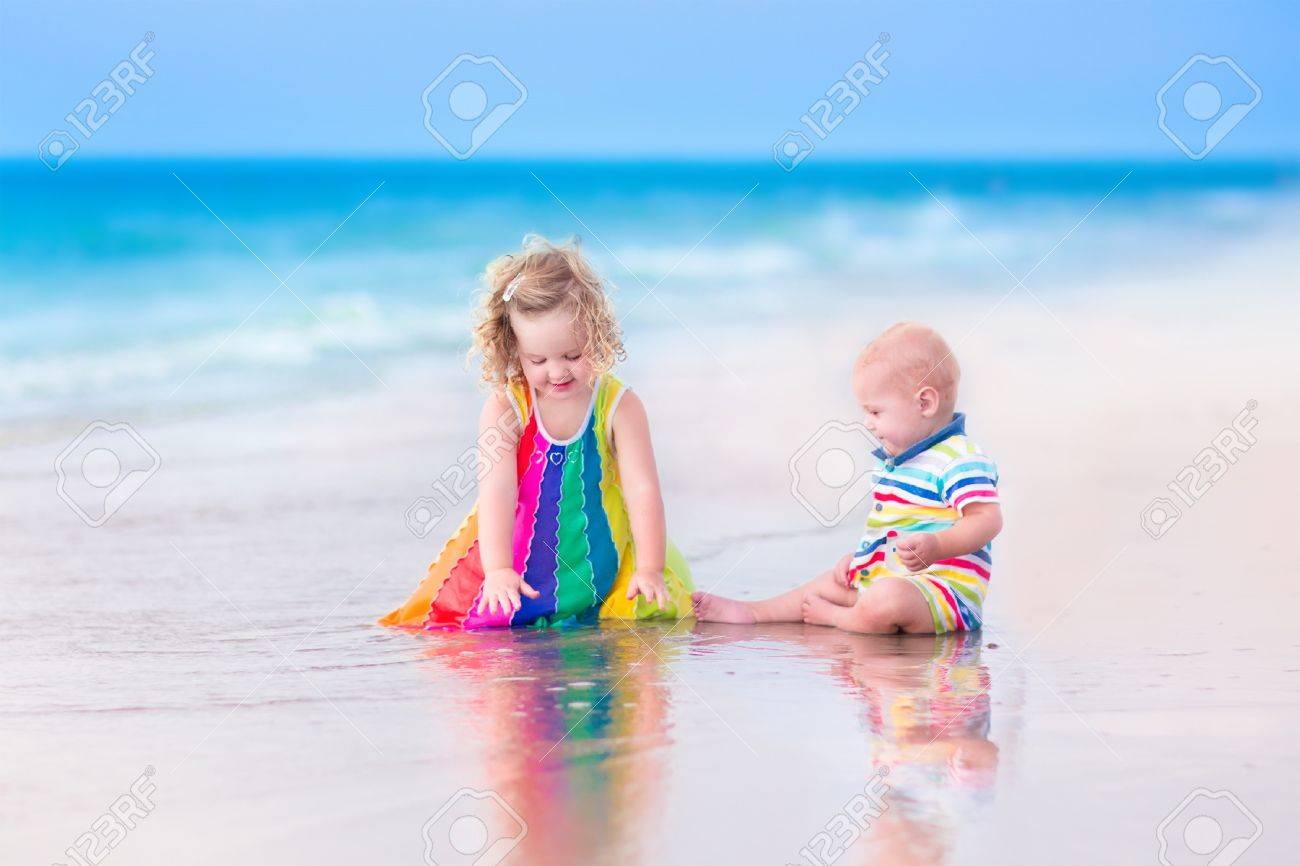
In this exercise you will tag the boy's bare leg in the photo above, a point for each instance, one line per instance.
(786, 607)
(888, 606)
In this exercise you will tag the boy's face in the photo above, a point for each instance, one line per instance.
(897, 415)
(550, 352)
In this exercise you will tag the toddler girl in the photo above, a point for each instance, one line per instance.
(569, 522)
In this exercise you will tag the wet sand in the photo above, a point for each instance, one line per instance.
(219, 628)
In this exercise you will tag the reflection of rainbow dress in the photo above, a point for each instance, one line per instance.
(572, 536)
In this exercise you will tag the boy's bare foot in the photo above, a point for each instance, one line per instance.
(819, 611)
(717, 608)
(888, 606)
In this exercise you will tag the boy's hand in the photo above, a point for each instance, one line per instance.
(919, 551)
(651, 585)
(841, 570)
(501, 589)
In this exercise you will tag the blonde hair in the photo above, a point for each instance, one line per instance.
(543, 277)
(918, 356)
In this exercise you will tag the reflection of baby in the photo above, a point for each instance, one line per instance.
(933, 714)
(927, 714)
(924, 561)
(927, 707)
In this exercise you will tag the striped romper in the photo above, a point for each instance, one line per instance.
(925, 489)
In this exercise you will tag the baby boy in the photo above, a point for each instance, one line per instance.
(923, 563)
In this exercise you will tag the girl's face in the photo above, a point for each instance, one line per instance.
(550, 352)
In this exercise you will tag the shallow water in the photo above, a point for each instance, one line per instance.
(694, 743)
(610, 744)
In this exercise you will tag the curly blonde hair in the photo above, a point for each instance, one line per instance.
(540, 278)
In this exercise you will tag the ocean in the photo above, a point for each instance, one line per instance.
(154, 284)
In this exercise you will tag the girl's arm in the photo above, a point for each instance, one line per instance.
(645, 504)
(498, 494)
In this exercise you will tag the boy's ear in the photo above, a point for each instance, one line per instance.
(929, 400)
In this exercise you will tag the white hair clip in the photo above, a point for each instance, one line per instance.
(512, 287)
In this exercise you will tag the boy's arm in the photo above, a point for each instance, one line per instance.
(645, 505)
(979, 523)
(970, 485)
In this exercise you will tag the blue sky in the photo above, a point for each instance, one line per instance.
(667, 79)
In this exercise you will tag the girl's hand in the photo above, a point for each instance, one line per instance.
(919, 551)
(651, 585)
(841, 570)
(501, 589)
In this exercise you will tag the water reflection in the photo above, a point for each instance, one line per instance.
(924, 702)
(573, 730)
(927, 707)
(571, 725)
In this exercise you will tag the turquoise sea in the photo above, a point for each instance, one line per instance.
(156, 281)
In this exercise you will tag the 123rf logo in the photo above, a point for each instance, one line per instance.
(105, 100)
(103, 467)
(469, 101)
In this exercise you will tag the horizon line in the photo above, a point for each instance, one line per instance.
(513, 158)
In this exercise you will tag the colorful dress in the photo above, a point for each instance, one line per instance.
(572, 536)
(926, 489)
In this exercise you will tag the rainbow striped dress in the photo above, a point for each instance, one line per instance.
(572, 536)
